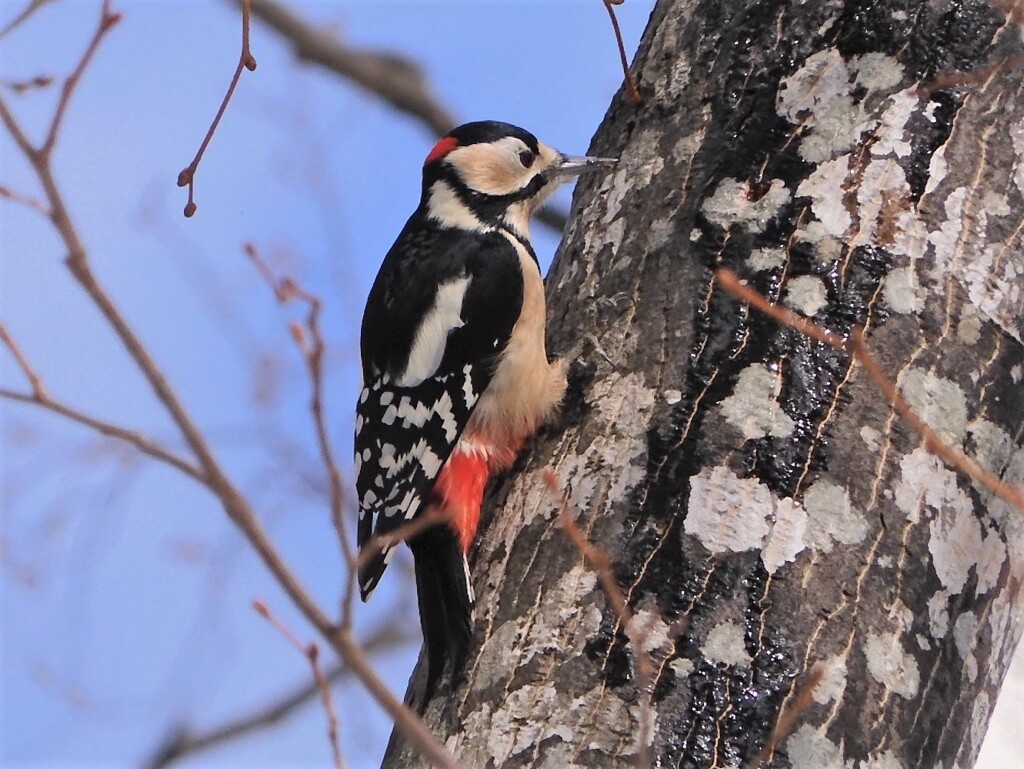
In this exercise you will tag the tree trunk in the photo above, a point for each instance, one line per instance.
(742, 477)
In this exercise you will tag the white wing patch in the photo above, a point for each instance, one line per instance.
(432, 335)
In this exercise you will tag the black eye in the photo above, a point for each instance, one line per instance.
(526, 158)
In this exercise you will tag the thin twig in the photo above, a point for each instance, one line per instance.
(107, 20)
(137, 440)
(857, 347)
(29, 202)
(34, 380)
(187, 177)
(790, 715)
(286, 289)
(634, 92)
(433, 516)
(21, 18)
(600, 562)
(312, 653)
(41, 397)
(974, 78)
(31, 84)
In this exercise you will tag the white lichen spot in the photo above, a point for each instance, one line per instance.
(1017, 374)
(558, 756)
(724, 645)
(993, 448)
(955, 543)
(968, 328)
(827, 248)
(938, 614)
(871, 437)
(885, 562)
(892, 131)
(648, 630)
(882, 193)
(833, 681)
(891, 665)
(902, 291)
(818, 96)
(695, 234)
(1017, 137)
(944, 240)
(809, 748)
(990, 562)
(831, 517)
(956, 540)
(674, 79)
(886, 760)
(965, 630)
(727, 513)
(902, 615)
(681, 667)
(786, 539)
(731, 204)
(806, 294)
(937, 169)
(877, 71)
(994, 279)
(762, 259)
(672, 397)
(753, 406)
(824, 186)
(938, 401)
(995, 203)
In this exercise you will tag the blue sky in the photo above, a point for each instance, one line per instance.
(125, 594)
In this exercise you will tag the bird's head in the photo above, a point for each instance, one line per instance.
(487, 174)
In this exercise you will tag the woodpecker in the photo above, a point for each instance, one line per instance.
(455, 375)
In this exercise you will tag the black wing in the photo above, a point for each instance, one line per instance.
(407, 425)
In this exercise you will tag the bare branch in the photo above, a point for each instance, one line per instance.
(187, 177)
(790, 715)
(857, 347)
(21, 18)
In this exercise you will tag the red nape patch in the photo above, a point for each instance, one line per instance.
(442, 148)
(460, 490)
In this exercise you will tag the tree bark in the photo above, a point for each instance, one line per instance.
(764, 506)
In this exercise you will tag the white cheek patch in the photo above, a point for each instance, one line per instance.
(493, 168)
(432, 336)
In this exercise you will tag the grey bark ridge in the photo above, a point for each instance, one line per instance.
(740, 474)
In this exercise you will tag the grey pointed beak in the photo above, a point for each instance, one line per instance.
(571, 166)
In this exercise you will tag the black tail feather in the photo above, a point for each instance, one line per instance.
(445, 601)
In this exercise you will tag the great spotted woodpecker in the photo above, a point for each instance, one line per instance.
(455, 373)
